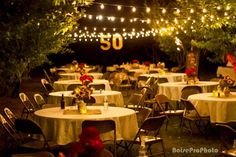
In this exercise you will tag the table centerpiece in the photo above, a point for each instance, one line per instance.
(82, 93)
(191, 73)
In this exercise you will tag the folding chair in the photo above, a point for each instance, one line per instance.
(227, 136)
(166, 108)
(103, 126)
(29, 108)
(189, 90)
(31, 129)
(47, 86)
(71, 87)
(38, 98)
(191, 115)
(10, 115)
(148, 134)
(97, 86)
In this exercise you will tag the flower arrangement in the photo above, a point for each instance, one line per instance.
(191, 72)
(84, 90)
(226, 82)
(89, 145)
(161, 65)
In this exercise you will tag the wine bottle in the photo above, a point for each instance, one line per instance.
(62, 102)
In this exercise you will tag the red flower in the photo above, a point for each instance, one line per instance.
(85, 78)
(90, 143)
(147, 63)
(81, 65)
(135, 61)
(191, 71)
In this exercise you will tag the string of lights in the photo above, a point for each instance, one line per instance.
(148, 20)
(133, 8)
(85, 35)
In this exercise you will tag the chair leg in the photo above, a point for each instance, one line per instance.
(167, 122)
(163, 148)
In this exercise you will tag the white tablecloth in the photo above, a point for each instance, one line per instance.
(173, 89)
(62, 85)
(76, 75)
(114, 97)
(172, 77)
(63, 128)
(219, 109)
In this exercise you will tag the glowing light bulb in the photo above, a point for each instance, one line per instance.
(122, 19)
(90, 17)
(178, 11)
(148, 9)
(191, 11)
(118, 7)
(102, 6)
(164, 11)
(133, 9)
(85, 28)
(228, 8)
(100, 17)
(95, 28)
(218, 8)
(204, 10)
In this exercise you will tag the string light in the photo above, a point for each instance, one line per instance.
(148, 9)
(133, 9)
(118, 7)
(102, 6)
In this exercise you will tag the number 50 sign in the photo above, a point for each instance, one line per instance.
(116, 43)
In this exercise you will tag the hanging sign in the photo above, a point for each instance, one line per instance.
(116, 43)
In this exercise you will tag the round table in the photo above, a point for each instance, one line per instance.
(171, 77)
(63, 127)
(62, 85)
(114, 97)
(219, 109)
(173, 89)
(76, 75)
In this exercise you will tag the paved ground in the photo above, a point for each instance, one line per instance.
(176, 141)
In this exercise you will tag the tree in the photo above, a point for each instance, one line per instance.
(189, 25)
(31, 30)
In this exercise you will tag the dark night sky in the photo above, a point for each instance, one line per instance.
(142, 48)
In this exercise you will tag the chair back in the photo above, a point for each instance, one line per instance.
(10, 115)
(189, 90)
(26, 102)
(47, 77)
(227, 135)
(153, 124)
(189, 110)
(38, 98)
(29, 127)
(162, 80)
(97, 86)
(135, 100)
(47, 86)
(163, 102)
(143, 114)
(7, 126)
(103, 126)
(73, 86)
(90, 100)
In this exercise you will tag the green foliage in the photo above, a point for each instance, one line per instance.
(208, 25)
(31, 30)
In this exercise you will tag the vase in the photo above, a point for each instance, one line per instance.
(226, 91)
(81, 106)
